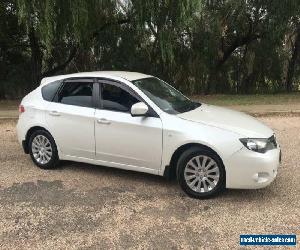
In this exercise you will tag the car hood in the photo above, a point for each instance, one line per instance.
(228, 119)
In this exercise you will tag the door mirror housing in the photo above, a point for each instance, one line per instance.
(139, 109)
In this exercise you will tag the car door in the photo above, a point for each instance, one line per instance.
(70, 118)
(122, 140)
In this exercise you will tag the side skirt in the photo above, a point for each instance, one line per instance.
(110, 164)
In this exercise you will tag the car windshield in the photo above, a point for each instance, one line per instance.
(165, 96)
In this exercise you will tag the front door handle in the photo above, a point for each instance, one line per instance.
(103, 121)
(54, 113)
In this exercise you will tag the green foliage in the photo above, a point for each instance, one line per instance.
(70, 19)
(13, 53)
(207, 46)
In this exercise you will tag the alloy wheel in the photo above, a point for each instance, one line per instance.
(41, 149)
(202, 174)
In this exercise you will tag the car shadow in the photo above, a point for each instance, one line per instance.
(232, 195)
(112, 172)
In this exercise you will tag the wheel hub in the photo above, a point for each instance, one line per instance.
(201, 174)
(41, 149)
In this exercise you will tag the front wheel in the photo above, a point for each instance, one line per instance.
(200, 173)
(43, 150)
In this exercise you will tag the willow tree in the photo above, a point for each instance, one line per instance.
(13, 53)
(240, 43)
(292, 44)
(168, 23)
(58, 29)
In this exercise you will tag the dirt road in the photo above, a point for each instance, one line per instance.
(84, 206)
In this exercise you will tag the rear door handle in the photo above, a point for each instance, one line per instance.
(54, 113)
(103, 121)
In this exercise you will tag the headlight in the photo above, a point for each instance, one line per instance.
(260, 145)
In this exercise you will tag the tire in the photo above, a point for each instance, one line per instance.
(43, 150)
(201, 182)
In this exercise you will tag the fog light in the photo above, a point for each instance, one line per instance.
(261, 177)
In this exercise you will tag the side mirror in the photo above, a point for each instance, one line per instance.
(139, 109)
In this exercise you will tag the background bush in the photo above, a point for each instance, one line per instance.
(201, 47)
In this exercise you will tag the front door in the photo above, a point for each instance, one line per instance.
(125, 141)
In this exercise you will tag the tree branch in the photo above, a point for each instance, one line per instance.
(62, 66)
(106, 25)
(73, 52)
(236, 44)
(152, 28)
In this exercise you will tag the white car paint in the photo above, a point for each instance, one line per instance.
(129, 76)
(72, 128)
(129, 141)
(228, 119)
(146, 144)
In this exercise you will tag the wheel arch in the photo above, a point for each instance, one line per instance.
(29, 133)
(170, 170)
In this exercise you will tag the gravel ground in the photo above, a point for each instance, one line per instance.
(81, 206)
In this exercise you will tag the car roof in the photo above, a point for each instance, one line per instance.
(130, 76)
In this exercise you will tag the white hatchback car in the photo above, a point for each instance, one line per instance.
(138, 122)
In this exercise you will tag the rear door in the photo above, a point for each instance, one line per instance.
(122, 140)
(71, 118)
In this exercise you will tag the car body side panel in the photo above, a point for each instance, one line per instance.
(73, 129)
(127, 140)
(34, 114)
(223, 142)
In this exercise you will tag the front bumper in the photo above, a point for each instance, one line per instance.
(246, 169)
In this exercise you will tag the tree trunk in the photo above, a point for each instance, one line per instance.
(293, 62)
(211, 82)
(2, 92)
(223, 55)
(60, 67)
(36, 58)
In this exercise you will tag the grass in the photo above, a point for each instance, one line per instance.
(233, 100)
(9, 104)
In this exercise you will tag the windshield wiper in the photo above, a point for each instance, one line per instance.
(190, 107)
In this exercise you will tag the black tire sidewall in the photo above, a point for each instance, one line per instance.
(181, 164)
(54, 159)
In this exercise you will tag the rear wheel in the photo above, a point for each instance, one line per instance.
(43, 150)
(200, 173)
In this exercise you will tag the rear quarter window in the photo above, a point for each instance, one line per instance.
(49, 91)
